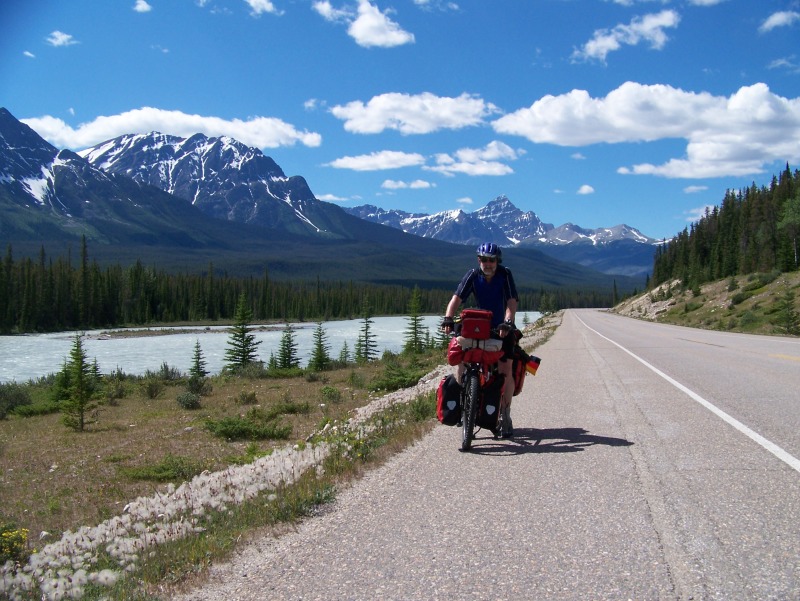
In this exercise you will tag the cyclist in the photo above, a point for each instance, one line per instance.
(493, 287)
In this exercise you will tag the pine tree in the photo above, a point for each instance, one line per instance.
(287, 351)
(241, 350)
(790, 223)
(415, 337)
(366, 347)
(82, 388)
(320, 357)
(198, 368)
(344, 354)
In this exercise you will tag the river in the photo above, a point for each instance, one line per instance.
(29, 357)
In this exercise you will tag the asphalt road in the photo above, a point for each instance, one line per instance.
(650, 462)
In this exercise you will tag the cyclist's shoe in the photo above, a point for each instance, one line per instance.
(508, 426)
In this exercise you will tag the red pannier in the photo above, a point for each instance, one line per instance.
(476, 323)
(448, 401)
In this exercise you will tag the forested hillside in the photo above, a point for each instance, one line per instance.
(53, 294)
(754, 230)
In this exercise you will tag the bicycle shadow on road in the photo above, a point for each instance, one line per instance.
(545, 440)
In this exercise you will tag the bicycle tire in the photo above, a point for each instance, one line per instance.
(471, 390)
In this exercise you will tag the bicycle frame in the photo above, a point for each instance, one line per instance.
(479, 363)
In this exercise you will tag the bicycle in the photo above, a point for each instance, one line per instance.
(479, 352)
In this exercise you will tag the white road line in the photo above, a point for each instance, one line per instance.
(788, 459)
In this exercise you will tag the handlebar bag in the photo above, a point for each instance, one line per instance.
(448, 401)
(476, 323)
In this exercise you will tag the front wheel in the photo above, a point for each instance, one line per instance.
(471, 390)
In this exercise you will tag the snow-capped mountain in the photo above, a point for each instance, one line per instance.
(619, 249)
(220, 176)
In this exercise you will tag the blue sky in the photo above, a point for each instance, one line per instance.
(596, 112)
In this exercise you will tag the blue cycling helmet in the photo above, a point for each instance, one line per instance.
(490, 249)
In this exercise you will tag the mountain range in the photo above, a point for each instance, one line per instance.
(620, 249)
(184, 202)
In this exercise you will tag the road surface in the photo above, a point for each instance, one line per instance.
(650, 462)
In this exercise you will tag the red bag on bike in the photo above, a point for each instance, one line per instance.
(455, 354)
(521, 365)
(448, 401)
(476, 323)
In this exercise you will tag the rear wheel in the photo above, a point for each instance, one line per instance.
(471, 389)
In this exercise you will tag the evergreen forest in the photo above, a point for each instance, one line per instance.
(754, 230)
(62, 293)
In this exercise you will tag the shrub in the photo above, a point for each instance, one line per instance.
(247, 397)
(170, 469)
(189, 400)
(331, 394)
(12, 396)
(152, 387)
(253, 426)
(13, 544)
(199, 385)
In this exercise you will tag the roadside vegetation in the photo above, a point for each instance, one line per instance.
(758, 303)
(134, 441)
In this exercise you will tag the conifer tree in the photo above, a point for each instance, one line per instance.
(198, 368)
(82, 388)
(287, 351)
(344, 354)
(415, 337)
(320, 357)
(242, 344)
(366, 347)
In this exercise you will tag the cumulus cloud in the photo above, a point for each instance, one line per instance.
(142, 6)
(59, 38)
(477, 161)
(417, 184)
(29, 54)
(412, 114)
(726, 136)
(779, 19)
(585, 189)
(260, 132)
(647, 29)
(259, 7)
(378, 161)
(367, 25)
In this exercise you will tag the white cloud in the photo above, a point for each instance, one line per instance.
(331, 198)
(577, 156)
(779, 19)
(367, 25)
(417, 184)
(732, 136)
(585, 189)
(694, 189)
(29, 54)
(259, 7)
(378, 161)
(477, 161)
(260, 132)
(374, 28)
(466, 200)
(142, 6)
(649, 28)
(59, 38)
(326, 10)
(412, 114)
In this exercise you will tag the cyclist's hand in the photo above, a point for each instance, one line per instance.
(447, 325)
(504, 328)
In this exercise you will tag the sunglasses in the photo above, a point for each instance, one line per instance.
(487, 259)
